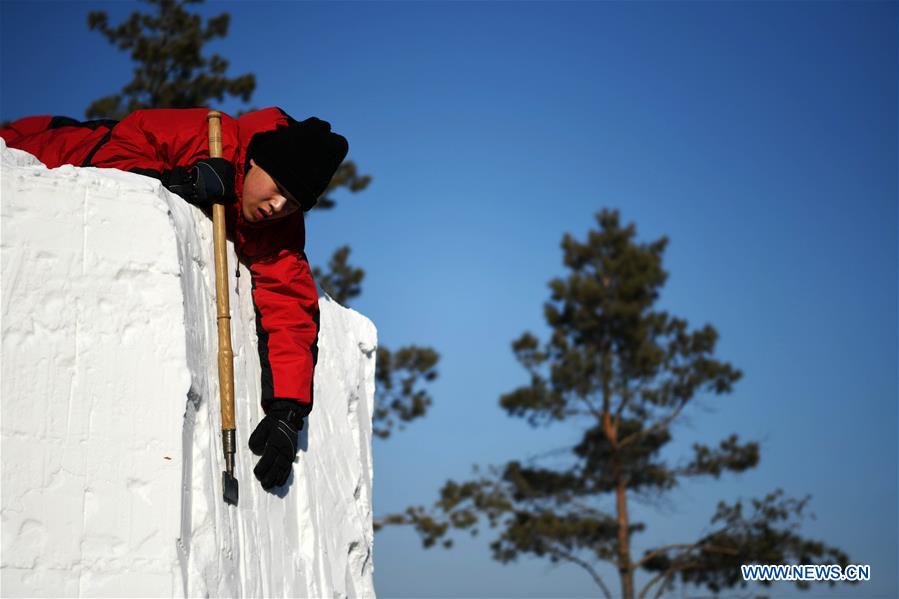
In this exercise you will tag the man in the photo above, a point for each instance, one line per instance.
(272, 169)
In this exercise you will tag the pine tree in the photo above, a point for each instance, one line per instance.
(170, 71)
(625, 371)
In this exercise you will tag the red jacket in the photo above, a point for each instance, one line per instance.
(160, 142)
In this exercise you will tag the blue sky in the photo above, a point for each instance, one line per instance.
(761, 138)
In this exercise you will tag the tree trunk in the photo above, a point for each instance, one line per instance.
(625, 570)
(610, 428)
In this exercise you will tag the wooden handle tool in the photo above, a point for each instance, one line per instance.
(225, 354)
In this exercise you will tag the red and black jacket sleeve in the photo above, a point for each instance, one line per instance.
(287, 325)
(164, 144)
(58, 140)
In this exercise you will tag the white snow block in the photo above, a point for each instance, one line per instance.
(111, 441)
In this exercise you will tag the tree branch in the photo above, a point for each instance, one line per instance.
(575, 560)
(624, 400)
(552, 452)
(663, 549)
(655, 427)
(667, 573)
(591, 408)
(670, 573)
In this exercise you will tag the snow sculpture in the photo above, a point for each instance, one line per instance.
(111, 445)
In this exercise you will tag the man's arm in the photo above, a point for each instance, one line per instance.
(172, 145)
(57, 140)
(287, 323)
(286, 304)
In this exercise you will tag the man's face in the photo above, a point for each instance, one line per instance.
(263, 199)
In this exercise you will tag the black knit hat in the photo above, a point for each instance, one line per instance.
(302, 157)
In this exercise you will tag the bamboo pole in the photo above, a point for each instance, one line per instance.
(225, 354)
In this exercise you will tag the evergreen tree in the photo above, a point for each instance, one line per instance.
(625, 371)
(400, 398)
(171, 72)
(342, 282)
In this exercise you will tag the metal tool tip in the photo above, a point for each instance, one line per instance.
(229, 488)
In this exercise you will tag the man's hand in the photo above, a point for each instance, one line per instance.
(210, 180)
(213, 181)
(275, 439)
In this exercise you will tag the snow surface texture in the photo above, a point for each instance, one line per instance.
(111, 441)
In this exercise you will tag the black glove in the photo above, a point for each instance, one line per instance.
(210, 180)
(275, 439)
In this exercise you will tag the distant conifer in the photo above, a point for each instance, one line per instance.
(170, 71)
(624, 371)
